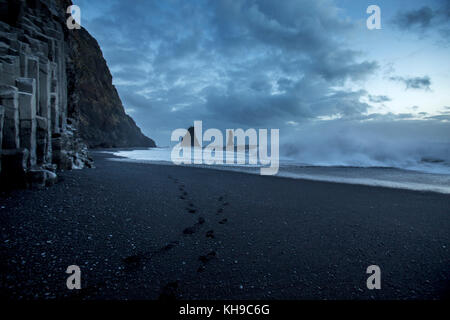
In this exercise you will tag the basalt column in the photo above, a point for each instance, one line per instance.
(27, 116)
(9, 98)
(2, 116)
(44, 104)
(56, 95)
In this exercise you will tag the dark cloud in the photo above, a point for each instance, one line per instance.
(236, 63)
(426, 19)
(416, 18)
(231, 62)
(423, 83)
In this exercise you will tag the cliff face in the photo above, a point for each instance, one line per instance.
(56, 95)
(94, 101)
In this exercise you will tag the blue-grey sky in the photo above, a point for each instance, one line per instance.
(277, 64)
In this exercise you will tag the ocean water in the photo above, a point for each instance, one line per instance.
(425, 175)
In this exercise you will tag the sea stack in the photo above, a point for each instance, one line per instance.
(190, 139)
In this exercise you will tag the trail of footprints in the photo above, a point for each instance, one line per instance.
(204, 259)
(136, 262)
(169, 291)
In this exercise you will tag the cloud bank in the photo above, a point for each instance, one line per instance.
(290, 65)
(232, 63)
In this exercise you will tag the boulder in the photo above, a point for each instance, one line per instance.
(40, 178)
(62, 159)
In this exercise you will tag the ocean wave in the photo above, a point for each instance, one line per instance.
(422, 176)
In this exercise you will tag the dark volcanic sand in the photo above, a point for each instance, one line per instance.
(142, 231)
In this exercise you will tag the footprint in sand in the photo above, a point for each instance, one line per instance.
(134, 261)
(221, 209)
(191, 208)
(210, 234)
(167, 247)
(195, 227)
(189, 230)
(224, 204)
(205, 259)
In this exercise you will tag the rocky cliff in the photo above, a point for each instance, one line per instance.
(56, 95)
(94, 101)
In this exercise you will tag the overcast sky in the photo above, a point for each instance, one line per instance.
(277, 64)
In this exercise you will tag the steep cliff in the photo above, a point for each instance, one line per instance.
(93, 99)
(56, 95)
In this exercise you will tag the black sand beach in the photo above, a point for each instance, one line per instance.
(143, 231)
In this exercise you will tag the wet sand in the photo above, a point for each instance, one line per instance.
(142, 231)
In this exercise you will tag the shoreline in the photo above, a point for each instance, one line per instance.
(368, 182)
(142, 231)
